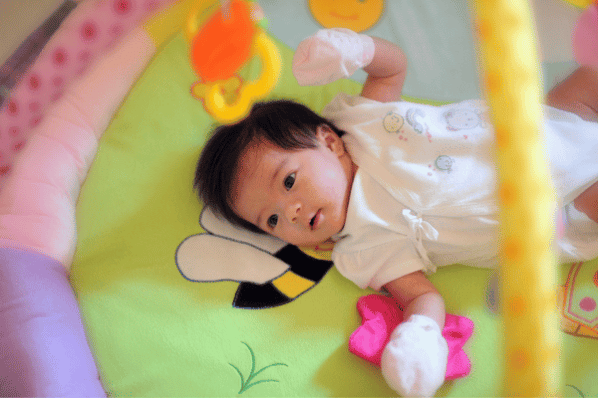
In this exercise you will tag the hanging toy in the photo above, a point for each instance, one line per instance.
(227, 40)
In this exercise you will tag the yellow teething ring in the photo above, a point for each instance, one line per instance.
(215, 103)
(528, 266)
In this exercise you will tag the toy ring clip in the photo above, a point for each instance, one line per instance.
(219, 49)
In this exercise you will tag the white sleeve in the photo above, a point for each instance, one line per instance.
(376, 266)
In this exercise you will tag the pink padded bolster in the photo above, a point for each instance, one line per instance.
(37, 204)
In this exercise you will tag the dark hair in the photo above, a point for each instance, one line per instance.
(286, 124)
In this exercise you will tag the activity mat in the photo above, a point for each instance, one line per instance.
(177, 303)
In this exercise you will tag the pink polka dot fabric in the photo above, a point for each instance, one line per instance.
(92, 28)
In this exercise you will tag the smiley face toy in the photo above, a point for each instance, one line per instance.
(357, 15)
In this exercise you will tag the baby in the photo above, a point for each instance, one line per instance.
(401, 188)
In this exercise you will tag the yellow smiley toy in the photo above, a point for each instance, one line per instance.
(357, 15)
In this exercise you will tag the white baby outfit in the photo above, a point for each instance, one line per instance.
(424, 193)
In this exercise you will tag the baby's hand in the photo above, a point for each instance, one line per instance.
(414, 361)
(331, 54)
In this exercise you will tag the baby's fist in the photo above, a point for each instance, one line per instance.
(414, 361)
(331, 54)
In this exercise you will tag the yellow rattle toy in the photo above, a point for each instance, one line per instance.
(225, 42)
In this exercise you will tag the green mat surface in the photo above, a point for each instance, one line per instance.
(157, 333)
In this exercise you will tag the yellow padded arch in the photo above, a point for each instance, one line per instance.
(528, 265)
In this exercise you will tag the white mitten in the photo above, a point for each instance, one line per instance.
(331, 54)
(414, 361)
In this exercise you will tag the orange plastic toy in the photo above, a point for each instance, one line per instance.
(223, 45)
(227, 40)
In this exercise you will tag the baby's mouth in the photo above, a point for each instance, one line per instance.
(315, 220)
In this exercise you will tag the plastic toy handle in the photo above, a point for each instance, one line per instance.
(191, 26)
(215, 103)
(194, 21)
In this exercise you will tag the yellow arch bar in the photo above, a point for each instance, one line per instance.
(528, 266)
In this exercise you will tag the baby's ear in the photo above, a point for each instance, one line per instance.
(330, 139)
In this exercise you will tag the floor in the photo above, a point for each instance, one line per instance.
(18, 19)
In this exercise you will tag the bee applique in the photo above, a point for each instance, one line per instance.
(270, 272)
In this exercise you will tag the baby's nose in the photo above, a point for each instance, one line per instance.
(292, 212)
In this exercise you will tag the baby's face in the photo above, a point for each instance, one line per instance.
(300, 196)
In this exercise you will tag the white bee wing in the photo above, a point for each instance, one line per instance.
(210, 258)
(217, 226)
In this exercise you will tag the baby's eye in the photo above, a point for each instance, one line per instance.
(289, 181)
(272, 220)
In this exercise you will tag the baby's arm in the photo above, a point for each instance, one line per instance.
(418, 296)
(332, 54)
(414, 360)
(386, 72)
